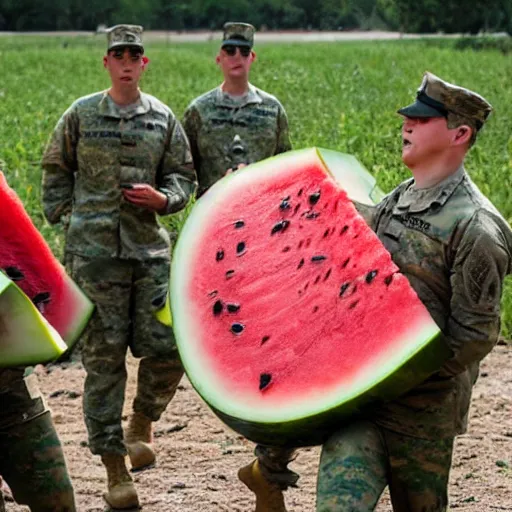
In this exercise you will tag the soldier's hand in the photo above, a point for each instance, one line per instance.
(145, 196)
(235, 168)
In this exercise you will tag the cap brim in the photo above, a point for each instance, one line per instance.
(236, 42)
(126, 45)
(420, 109)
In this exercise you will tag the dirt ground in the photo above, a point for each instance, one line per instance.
(198, 457)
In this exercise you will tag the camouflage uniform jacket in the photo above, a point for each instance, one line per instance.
(455, 249)
(96, 147)
(225, 131)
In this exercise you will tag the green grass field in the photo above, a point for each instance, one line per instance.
(341, 96)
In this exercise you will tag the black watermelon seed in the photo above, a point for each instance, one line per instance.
(281, 226)
(301, 262)
(371, 276)
(315, 309)
(326, 232)
(220, 255)
(300, 192)
(158, 302)
(327, 274)
(343, 230)
(318, 258)
(285, 205)
(233, 308)
(345, 263)
(314, 198)
(317, 279)
(344, 288)
(265, 379)
(240, 248)
(213, 293)
(239, 224)
(353, 304)
(40, 299)
(388, 280)
(237, 328)
(311, 215)
(264, 339)
(230, 274)
(14, 274)
(218, 307)
(286, 249)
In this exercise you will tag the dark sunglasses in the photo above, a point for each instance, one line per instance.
(135, 53)
(231, 50)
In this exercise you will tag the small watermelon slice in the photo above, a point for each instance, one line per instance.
(289, 313)
(28, 261)
(25, 336)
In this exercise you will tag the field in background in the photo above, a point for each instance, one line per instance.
(341, 96)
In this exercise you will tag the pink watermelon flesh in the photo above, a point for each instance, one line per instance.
(28, 261)
(286, 305)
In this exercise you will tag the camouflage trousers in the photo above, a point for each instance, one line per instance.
(31, 458)
(126, 294)
(360, 460)
(274, 462)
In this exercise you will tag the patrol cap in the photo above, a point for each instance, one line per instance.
(437, 98)
(124, 36)
(238, 34)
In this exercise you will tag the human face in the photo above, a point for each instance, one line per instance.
(125, 66)
(235, 61)
(424, 140)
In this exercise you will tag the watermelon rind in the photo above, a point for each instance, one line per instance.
(26, 338)
(308, 421)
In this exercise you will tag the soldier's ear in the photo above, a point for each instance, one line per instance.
(105, 61)
(217, 59)
(463, 134)
(145, 62)
(253, 55)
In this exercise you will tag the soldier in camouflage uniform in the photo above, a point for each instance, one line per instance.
(455, 249)
(233, 125)
(116, 159)
(31, 461)
(236, 123)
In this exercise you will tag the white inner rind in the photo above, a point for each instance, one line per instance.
(188, 333)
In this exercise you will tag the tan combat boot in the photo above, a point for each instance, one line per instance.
(138, 439)
(269, 496)
(121, 491)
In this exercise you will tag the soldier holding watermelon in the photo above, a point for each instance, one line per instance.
(233, 125)
(116, 159)
(455, 248)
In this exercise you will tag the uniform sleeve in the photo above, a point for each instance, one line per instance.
(191, 125)
(283, 135)
(176, 176)
(481, 263)
(59, 165)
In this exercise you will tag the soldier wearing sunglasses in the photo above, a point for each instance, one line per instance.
(236, 123)
(233, 125)
(116, 160)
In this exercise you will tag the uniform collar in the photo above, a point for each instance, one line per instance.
(417, 200)
(223, 99)
(108, 108)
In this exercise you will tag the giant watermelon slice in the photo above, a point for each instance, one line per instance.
(288, 311)
(25, 336)
(28, 261)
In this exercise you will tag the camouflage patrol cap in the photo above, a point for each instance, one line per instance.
(437, 98)
(238, 34)
(123, 36)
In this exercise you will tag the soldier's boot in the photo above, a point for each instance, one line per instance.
(269, 496)
(121, 491)
(138, 441)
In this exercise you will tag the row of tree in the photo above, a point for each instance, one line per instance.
(468, 16)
